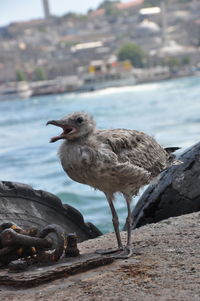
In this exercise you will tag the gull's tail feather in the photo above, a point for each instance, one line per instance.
(170, 150)
(172, 158)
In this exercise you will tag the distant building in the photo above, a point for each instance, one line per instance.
(46, 9)
(120, 6)
(146, 28)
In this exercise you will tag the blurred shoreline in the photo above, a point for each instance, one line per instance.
(61, 85)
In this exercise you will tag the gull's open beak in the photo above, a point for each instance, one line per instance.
(67, 130)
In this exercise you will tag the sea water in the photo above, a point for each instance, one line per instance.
(169, 111)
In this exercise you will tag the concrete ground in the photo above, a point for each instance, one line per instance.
(165, 266)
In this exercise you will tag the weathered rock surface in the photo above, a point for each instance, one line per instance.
(165, 266)
(28, 207)
(177, 191)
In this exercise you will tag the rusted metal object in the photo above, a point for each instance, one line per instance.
(10, 238)
(17, 243)
(10, 225)
(64, 268)
(60, 241)
(72, 249)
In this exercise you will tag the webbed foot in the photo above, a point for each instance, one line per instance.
(121, 253)
(108, 251)
(125, 253)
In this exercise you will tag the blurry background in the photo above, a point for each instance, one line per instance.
(132, 64)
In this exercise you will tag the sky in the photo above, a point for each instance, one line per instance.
(24, 10)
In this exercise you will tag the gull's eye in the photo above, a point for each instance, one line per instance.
(79, 120)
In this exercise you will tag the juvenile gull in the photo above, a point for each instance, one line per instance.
(114, 160)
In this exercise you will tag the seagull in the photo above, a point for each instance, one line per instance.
(112, 161)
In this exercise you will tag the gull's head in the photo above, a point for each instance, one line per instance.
(74, 126)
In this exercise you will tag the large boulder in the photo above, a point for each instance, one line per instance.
(27, 207)
(177, 191)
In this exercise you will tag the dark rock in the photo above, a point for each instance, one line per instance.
(177, 191)
(21, 204)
